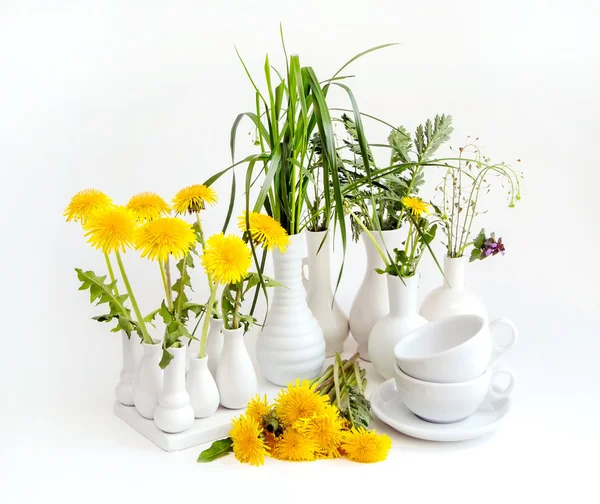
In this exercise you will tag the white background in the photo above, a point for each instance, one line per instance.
(126, 97)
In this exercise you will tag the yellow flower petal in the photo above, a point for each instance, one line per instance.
(299, 401)
(247, 445)
(84, 203)
(110, 228)
(265, 231)
(194, 198)
(416, 205)
(148, 206)
(158, 238)
(226, 259)
(361, 445)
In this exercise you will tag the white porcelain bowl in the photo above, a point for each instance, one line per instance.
(450, 402)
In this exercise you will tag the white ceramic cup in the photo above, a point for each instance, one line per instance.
(452, 350)
(451, 402)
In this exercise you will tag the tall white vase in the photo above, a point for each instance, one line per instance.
(331, 318)
(132, 354)
(202, 388)
(174, 413)
(291, 344)
(371, 302)
(452, 297)
(236, 377)
(402, 319)
(148, 380)
(214, 344)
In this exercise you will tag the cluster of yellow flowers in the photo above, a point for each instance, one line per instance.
(302, 426)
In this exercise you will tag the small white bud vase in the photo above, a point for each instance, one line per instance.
(371, 302)
(202, 388)
(291, 345)
(174, 413)
(236, 377)
(329, 315)
(452, 298)
(132, 354)
(214, 345)
(402, 319)
(148, 380)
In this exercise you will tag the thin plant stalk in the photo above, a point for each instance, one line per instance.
(207, 315)
(111, 273)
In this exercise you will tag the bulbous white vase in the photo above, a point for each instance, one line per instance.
(402, 319)
(214, 345)
(132, 354)
(174, 413)
(331, 318)
(202, 388)
(291, 344)
(148, 380)
(452, 298)
(236, 377)
(371, 302)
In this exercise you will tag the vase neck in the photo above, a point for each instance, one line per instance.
(454, 270)
(319, 256)
(215, 325)
(385, 240)
(403, 296)
(233, 337)
(175, 372)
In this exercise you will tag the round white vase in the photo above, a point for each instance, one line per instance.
(214, 345)
(174, 413)
(132, 354)
(325, 309)
(291, 345)
(371, 302)
(236, 377)
(452, 298)
(202, 388)
(148, 380)
(402, 319)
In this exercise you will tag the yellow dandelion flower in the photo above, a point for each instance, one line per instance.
(226, 259)
(167, 235)
(361, 445)
(84, 203)
(247, 443)
(299, 401)
(258, 407)
(295, 446)
(194, 198)
(148, 206)
(416, 205)
(265, 230)
(325, 430)
(110, 228)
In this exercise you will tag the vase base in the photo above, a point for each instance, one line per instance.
(363, 353)
(333, 348)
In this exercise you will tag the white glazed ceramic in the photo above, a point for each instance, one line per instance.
(202, 388)
(402, 319)
(450, 402)
(371, 302)
(214, 345)
(387, 405)
(452, 298)
(236, 378)
(324, 308)
(174, 413)
(291, 344)
(452, 350)
(132, 354)
(148, 380)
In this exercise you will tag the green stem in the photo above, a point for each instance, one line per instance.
(168, 282)
(385, 261)
(235, 323)
(180, 297)
(146, 337)
(203, 243)
(462, 249)
(164, 279)
(207, 316)
(111, 273)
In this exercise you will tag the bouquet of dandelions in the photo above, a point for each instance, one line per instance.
(323, 419)
(145, 224)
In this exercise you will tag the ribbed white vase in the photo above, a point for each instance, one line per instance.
(132, 354)
(371, 302)
(325, 309)
(291, 344)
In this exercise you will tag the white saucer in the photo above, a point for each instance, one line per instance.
(387, 405)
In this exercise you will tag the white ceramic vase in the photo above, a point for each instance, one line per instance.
(452, 298)
(236, 377)
(148, 380)
(371, 302)
(174, 413)
(202, 388)
(325, 309)
(402, 319)
(132, 354)
(291, 345)
(214, 345)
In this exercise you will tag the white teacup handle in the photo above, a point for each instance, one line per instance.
(496, 392)
(502, 349)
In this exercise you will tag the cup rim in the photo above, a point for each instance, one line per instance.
(415, 334)
(414, 380)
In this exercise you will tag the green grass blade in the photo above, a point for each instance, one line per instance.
(360, 55)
